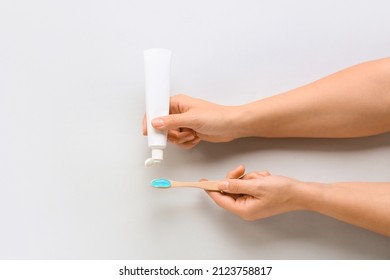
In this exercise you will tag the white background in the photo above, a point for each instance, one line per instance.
(72, 180)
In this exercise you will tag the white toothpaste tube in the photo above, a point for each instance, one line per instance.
(157, 92)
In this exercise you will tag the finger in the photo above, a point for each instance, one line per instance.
(256, 175)
(251, 175)
(144, 126)
(186, 139)
(236, 173)
(265, 173)
(177, 137)
(173, 135)
(190, 144)
(239, 186)
(186, 135)
(175, 121)
(225, 201)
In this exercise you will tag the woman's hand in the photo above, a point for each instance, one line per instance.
(257, 195)
(192, 120)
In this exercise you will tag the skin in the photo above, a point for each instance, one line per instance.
(354, 102)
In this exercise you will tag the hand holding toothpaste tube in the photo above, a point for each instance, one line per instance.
(192, 120)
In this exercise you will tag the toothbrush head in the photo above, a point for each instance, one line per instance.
(161, 183)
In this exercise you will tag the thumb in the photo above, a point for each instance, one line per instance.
(173, 121)
(238, 186)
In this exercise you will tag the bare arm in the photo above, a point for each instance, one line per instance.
(350, 103)
(362, 204)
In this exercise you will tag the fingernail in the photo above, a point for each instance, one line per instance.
(157, 123)
(223, 186)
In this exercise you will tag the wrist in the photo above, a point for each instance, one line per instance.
(234, 120)
(242, 121)
(308, 195)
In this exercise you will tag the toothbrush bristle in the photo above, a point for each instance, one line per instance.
(161, 183)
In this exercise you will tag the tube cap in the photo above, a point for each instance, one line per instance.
(157, 154)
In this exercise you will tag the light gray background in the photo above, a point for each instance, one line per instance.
(72, 182)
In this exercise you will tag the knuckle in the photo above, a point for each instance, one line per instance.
(252, 175)
(249, 218)
(265, 173)
(180, 95)
(247, 215)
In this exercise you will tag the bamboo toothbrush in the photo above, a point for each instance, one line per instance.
(206, 185)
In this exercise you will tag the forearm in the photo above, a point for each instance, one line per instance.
(362, 204)
(350, 103)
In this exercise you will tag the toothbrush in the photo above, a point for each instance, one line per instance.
(206, 185)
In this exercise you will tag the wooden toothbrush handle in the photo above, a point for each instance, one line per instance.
(206, 185)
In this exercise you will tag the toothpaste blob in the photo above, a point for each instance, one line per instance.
(161, 183)
(149, 162)
(157, 92)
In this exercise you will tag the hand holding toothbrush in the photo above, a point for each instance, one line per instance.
(260, 195)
